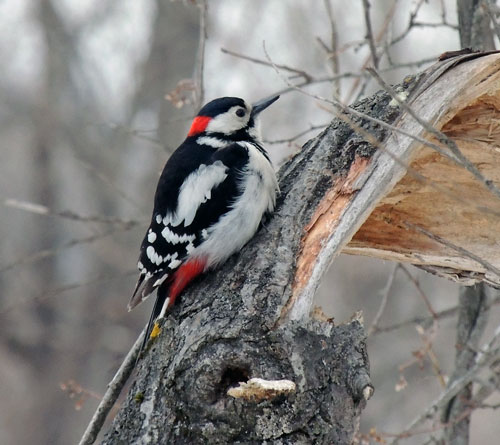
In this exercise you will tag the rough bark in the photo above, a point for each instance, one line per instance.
(250, 319)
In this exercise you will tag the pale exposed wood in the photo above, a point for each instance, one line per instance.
(322, 223)
(371, 221)
(471, 117)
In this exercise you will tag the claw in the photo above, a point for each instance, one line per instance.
(155, 331)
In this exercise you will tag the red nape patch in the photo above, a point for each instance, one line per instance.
(183, 276)
(199, 124)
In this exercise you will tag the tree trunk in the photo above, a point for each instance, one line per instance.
(250, 319)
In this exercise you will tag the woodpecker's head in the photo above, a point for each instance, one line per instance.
(230, 118)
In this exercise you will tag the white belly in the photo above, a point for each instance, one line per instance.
(239, 225)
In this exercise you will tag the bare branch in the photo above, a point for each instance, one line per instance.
(369, 138)
(20, 301)
(414, 64)
(106, 180)
(369, 33)
(115, 386)
(385, 297)
(420, 291)
(47, 253)
(200, 60)
(68, 214)
(136, 133)
(333, 51)
(424, 321)
(378, 38)
(413, 23)
(484, 358)
(296, 136)
(307, 77)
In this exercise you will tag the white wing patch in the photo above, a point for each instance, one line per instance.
(235, 228)
(160, 280)
(151, 236)
(173, 238)
(157, 259)
(174, 263)
(196, 189)
(153, 256)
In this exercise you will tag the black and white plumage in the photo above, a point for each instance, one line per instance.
(209, 202)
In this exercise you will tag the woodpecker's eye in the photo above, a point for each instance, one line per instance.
(240, 112)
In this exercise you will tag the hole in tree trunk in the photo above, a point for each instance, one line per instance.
(231, 377)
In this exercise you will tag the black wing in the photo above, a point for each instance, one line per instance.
(206, 194)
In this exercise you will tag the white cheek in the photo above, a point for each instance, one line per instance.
(227, 122)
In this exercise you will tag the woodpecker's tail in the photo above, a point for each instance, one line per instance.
(170, 289)
(160, 300)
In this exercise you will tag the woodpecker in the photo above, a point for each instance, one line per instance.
(209, 202)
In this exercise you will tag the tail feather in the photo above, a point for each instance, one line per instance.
(144, 288)
(160, 300)
(168, 289)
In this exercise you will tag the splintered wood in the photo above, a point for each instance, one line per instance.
(452, 204)
(323, 222)
(410, 203)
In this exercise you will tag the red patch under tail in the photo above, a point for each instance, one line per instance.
(183, 276)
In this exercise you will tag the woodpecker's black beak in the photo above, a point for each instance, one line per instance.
(261, 105)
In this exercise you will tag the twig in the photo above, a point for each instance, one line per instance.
(346, 75)
(200, 61)
(297, 136)
(106, 180)
(416, 63)
(445, 313)
(369, 138)
(113, 391)
(412, 23)
(333, 51)
(385, 298)
(136, 133)
(307, 77)
(20, 301)
(68, 214)
(46, 253)
(369, 33)
(487, 265)
(378, 39)
(427, 337)
(485, 356)
(420, 291)
(468, 165)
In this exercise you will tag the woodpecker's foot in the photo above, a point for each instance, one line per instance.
(155, 331)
